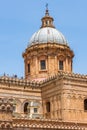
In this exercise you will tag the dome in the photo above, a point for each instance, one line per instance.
(47, 35)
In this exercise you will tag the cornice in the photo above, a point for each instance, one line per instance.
(19, 82)
(47, 123)
(44, 46)
(38, 84)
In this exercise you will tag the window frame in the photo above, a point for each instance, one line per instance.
(61, 65)
(42, 67)
(35, 108)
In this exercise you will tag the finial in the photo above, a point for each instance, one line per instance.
(46, 6)
(47, 11)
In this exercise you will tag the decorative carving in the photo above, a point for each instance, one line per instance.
(69, 96)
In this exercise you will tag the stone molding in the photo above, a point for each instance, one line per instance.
(47, 124)
(39, 84)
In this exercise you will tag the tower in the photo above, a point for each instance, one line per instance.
(47, 52)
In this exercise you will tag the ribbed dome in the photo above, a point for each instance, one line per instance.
(47, 35)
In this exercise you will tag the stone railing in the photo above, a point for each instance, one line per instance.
(20, 82)
(38, 84)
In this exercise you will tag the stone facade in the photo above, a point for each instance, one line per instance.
(66, 95)
(52, 54)
(51, 96)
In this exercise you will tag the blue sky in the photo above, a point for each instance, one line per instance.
(19, 19)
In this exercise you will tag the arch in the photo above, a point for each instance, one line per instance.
(31, 105)
(27, 107)
(3, 107)
(2, 125)
(8, 125)
(17, 105)
(61, 57)
(9, 108)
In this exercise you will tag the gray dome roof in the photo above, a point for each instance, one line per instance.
(47, 35)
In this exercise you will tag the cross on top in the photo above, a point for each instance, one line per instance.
(46, 6)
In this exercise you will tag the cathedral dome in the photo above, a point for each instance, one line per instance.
(47, 35)
(47, 52)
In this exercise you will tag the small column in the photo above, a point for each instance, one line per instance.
(31, 109)
(48, 65)
(51, 104)
(44, 108)
(59, 110)
(56, 65)
(37, 65)
(66, 67)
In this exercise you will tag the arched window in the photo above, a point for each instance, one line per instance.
(26, 108)
(48, 106)
(85, 104)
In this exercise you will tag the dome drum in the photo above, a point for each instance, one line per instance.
(48, 56)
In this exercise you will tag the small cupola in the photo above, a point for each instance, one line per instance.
(47, 20)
